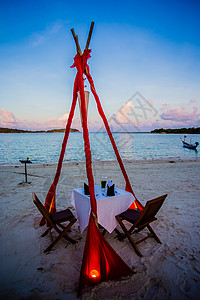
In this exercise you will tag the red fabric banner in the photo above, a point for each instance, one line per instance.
(100, 261)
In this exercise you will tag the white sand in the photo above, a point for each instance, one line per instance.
(167, 271)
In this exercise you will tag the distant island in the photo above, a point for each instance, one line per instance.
(191, 130)
(11, 130)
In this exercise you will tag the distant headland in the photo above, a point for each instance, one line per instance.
(191, 130)
(11, 130)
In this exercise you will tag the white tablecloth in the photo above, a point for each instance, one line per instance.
(107, 207)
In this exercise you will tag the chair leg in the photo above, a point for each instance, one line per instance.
(104, 232)
(46, 232)
(66, 229)
(117, 231)
(62, 234)
(154, 234)
(128, 236)
(120, 236)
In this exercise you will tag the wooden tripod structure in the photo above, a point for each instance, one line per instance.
(100, 261)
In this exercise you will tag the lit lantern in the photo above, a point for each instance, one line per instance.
(86, 103)
(94, 274)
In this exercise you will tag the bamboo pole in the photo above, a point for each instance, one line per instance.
(89, 36)
(78, 48)
(76, 42)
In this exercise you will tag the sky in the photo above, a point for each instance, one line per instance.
(145, 63)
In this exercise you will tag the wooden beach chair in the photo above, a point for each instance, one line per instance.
(53, 221)
(140, 221)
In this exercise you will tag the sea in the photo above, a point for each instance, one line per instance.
(44, 148)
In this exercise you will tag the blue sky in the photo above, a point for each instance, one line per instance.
(150, 47)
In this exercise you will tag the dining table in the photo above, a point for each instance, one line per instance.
(107, 206)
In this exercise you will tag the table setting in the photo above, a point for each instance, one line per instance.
(111, 201)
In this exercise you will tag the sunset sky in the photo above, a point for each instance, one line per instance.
(145, 62)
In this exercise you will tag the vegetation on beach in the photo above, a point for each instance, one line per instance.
(191, 130)
(11, 130)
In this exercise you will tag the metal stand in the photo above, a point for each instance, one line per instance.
(27, 161)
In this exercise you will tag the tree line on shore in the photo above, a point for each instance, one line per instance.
(191, 130)
(12, 130)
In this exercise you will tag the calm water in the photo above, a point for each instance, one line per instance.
(45, 147)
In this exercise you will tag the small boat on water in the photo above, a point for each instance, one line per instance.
(189, 146)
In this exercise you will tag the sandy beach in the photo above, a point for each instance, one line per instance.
(170, 270)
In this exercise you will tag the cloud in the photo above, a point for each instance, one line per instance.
(132, 116)
(193, 100)
(180, 114)
(150, 102)
(41, 37)
(122, 114)
(8, 119)
(37, 39)
(137, 114)
(187, 115)
(57, 123)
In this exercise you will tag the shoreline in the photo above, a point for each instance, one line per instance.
(136, 161)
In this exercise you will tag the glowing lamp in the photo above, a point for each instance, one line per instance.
(94, 274)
